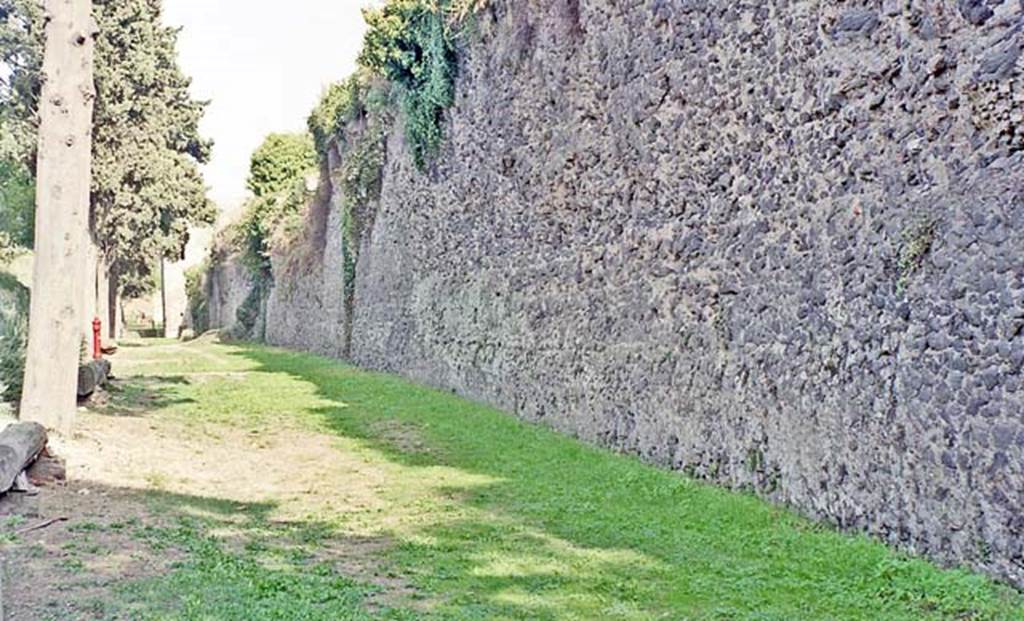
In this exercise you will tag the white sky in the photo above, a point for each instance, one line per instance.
(263, 64)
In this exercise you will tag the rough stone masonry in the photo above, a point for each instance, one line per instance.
(775, 244)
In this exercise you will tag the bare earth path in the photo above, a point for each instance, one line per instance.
(220, 482)
(129, 468)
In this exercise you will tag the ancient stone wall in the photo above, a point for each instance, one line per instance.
(778, 245)
(228, 285)
(306, 308)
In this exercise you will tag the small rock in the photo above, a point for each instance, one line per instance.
(857, 22)
(975, 11)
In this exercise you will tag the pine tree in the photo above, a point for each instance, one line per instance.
(147, 188)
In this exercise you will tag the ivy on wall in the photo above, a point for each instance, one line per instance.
(408, 43)
(412, 44)
(409, 58)
(361, 179)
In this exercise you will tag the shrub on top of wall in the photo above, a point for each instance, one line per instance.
(355, 97)
(279, 161)
(277, 181)
(341, 103)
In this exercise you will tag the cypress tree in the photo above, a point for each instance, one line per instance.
(147, 190)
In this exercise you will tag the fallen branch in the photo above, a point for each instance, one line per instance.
(42, 525)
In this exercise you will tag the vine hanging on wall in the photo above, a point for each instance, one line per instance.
(411, 43)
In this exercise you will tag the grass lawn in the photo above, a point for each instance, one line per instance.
(416, 504)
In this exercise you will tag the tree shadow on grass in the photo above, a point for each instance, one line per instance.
(132, 344)
(138, 396)
(565, 531)
(139, 555)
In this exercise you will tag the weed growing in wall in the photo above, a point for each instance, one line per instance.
(363, 167)
(361, 178)
(248, 313)
(917, 243)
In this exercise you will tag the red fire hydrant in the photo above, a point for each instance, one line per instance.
(97, 325)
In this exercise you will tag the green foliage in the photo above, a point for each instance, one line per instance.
(21, 54)
(17, 208)
(14, 302)
(277, 179)
(363, 147)
(147, 191)
(253, 232)
(341, 103)
(250, 311)
(142, 283)
(363, 166)
(279, 162)
(354, 98)
(411, 43)
(278, 182)
(361, 178)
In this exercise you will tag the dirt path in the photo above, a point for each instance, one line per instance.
(130, 469)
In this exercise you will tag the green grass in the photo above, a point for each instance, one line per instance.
(491, 518)
(261, 582)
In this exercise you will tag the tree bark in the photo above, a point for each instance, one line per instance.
(103, 299)
(20, 444)
(62, 216)
(163, 295)
(113, 305)
(90, 292)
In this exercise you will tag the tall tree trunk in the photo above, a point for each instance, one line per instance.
(90, 292)
(103, 296)
(163, 295)
(113, 305)
(62, 216)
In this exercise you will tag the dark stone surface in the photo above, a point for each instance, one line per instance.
(694, 233)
